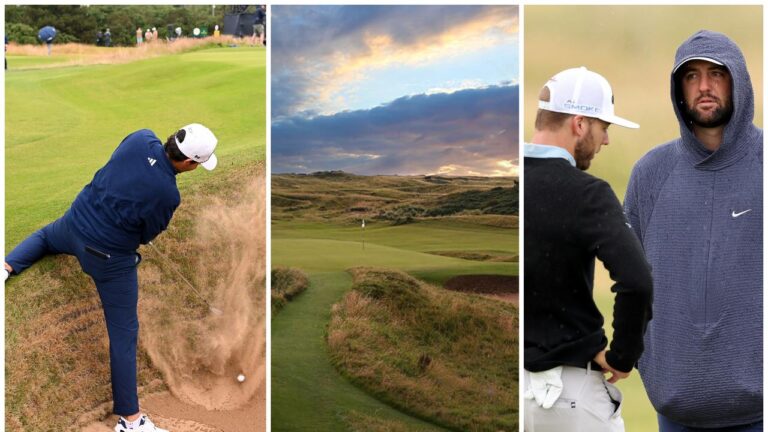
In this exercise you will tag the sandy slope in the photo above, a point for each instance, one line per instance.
(168, 412)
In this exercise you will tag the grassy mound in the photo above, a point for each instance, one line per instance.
(340, 196)
(359, 422)
(444, 356)
(287, 283)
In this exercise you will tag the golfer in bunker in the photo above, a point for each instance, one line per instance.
(128, 203)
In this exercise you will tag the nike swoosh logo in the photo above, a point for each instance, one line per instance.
(735, 215)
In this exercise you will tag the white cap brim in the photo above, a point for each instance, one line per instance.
(706, 59)
(620, 122)
(210, 164)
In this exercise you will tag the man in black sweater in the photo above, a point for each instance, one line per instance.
(571, 218)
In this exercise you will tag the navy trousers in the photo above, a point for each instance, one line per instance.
(667, 425)
(117, 282)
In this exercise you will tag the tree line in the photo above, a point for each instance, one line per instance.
(82, 23)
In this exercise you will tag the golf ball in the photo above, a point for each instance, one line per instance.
(241, 378)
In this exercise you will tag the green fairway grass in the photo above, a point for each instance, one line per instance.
(308, 393)
(22, 62)
(62, 124)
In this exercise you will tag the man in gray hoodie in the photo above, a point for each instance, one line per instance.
(696, 205)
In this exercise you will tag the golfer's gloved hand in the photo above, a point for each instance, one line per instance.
(545, 387)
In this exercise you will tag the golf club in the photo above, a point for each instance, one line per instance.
(214, 310)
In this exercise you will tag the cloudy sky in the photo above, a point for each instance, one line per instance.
(395, 89)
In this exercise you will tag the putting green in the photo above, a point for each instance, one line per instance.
(63, 123)
(307, 391)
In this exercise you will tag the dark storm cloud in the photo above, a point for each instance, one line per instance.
(468, 131)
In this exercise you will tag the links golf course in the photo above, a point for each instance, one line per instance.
(375, 342)
(65, 115)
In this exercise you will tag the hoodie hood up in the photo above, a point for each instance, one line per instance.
(740, 129)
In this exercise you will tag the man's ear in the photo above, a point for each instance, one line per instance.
(578, 125)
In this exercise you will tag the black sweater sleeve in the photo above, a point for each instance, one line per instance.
(604, 229)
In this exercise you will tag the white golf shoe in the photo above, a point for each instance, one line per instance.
(145, 425)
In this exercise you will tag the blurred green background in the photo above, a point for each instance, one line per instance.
(634, 48)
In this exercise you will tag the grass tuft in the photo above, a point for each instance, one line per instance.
(443, 356)
(287, 283)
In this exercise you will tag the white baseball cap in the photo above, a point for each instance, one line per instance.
(580, 91)
(198, 144)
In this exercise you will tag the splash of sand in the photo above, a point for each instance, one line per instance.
(201, 356)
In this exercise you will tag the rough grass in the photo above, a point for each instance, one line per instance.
(57, 356)
(76, 54)
(397, 199)
(287, 283)
(57, 351)
(308, 393)
(316, 227)
(444, 356)
(359, 422)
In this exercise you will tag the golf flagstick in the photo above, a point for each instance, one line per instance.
(363, 234)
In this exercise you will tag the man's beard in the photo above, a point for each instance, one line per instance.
(720, 116)
(581, 154)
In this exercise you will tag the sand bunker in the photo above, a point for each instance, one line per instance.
(201, 354)
(483, 284)
(502, 287)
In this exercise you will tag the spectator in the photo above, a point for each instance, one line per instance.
(258, 25)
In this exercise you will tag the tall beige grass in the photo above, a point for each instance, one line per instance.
(82, 54)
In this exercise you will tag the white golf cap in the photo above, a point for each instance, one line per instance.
(198, 144)
(580, 91)
(706, 59)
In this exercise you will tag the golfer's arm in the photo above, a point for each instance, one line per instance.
(621, 253)
(155, 222)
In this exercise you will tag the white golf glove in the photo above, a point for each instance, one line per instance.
(545, 387)
(5, 275)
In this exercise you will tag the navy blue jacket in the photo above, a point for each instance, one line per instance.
(131, 199)
(699, 216)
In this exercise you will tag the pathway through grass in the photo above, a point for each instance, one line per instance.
(308, 393)
(300, 362)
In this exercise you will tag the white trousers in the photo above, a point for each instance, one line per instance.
(585, 405)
